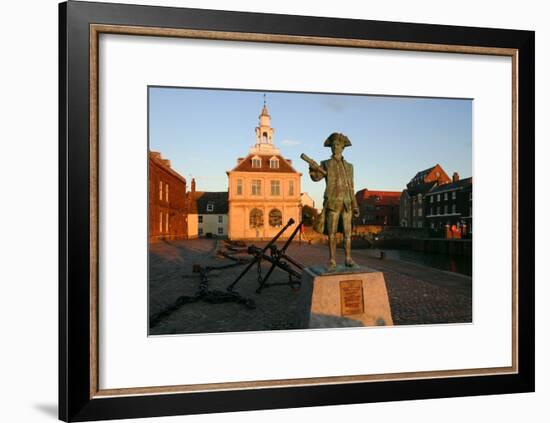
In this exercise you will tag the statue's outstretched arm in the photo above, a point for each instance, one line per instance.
(315, 174)
(316, 171)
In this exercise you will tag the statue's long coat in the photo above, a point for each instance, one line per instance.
(339, 191)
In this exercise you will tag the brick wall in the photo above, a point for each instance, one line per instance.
(167, 202)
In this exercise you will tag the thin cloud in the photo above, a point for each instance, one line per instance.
(290, 142)
(334, 103)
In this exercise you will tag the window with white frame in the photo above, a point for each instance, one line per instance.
(275, 187)
(454, 208)
(167, 223)
(453, 195)
(419, 212)
(446, 196)
(256, 187)
(420, 198)
(220, 230)
(220, 219)
(438, 197)
(274, 163)
(256, 162)
(200, 218)
(239, 187)
(431, 198)
(200, 231)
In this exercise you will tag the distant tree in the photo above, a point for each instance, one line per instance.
(309, 214)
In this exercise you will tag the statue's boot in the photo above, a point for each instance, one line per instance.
(350, 263)
(331, 265)
(347, 248)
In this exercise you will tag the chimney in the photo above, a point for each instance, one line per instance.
(193, 185)
(455, 177)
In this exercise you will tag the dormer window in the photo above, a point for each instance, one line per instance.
(256, 162)
(210, 207)
(274, 163)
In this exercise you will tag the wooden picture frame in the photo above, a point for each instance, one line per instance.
(80, 398)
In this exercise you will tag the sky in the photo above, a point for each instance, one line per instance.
(203, 132)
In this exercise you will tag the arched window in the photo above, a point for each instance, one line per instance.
(264, 137)
(256, 218)
(275, 218)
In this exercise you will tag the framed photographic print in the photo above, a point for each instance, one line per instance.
(267, 211)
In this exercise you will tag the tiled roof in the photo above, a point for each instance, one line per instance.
(422, 174)
(156, 158)
(421, 188)
(219, 200)
(246, 165)
(385, 197)
(452, 186)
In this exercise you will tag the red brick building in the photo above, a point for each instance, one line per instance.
(167, 200)
(378, 207)
(412, 204)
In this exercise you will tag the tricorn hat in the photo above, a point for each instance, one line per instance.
(337, 136)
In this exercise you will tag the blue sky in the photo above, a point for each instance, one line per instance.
(203, 132)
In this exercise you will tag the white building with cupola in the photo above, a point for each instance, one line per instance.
(264, 188)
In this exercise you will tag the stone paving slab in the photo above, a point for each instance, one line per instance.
(417, 294)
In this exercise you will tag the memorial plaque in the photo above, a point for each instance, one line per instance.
(351, 297)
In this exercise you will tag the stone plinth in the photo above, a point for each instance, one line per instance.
(343, 298)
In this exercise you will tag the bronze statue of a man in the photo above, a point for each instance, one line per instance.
(339, 204)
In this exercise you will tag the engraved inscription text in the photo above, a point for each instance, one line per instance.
(351, 297)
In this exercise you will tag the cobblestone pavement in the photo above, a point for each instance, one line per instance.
(417, 294)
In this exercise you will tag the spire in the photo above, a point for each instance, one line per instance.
(264, 133)
(264, 112)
